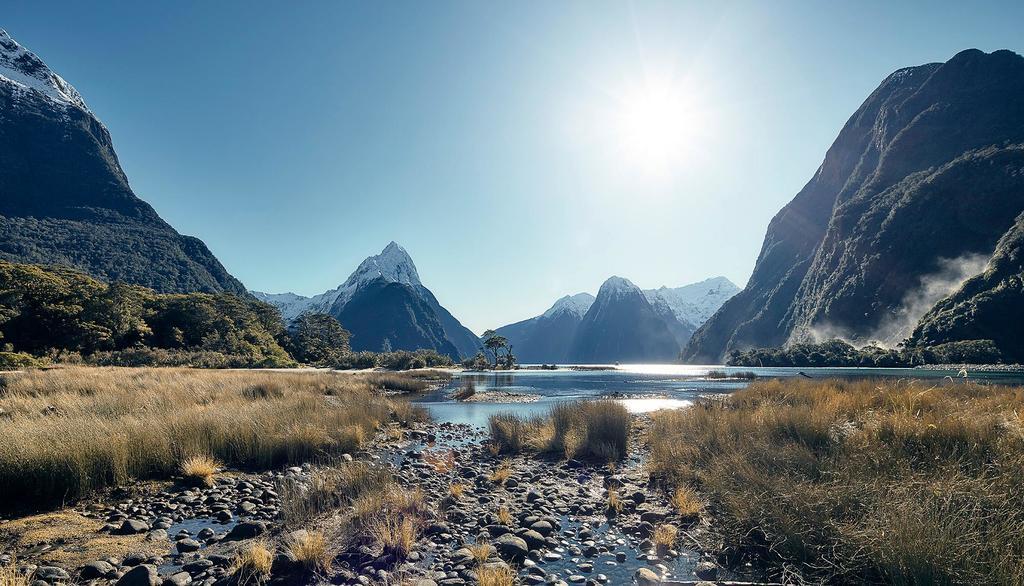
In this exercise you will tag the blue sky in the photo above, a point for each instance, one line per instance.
(497, 142)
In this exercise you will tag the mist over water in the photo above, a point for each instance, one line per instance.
(899, 324)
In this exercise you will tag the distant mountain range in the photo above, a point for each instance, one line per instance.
(922, 190)
(384, 304)
(65, 199)
(622, 324)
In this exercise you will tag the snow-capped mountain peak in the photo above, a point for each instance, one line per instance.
(617, 287)
(577, 305)
(697, 302)
(393, 264)
(28, 73)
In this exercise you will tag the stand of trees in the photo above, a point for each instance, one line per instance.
(60, 314)
(839, 353)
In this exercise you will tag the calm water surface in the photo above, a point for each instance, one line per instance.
(643, 387)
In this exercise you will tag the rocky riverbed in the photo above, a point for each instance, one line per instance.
(550, 520)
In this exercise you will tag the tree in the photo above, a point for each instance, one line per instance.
(318, 338)
(494, 344)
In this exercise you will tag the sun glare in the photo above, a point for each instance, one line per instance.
(656, 126)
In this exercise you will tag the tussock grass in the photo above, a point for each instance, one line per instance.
(252, 564)
(200, 470)
(456, 489)
(504, 516)
(70, 431)
(331, 488)
(502, 473)
(496, 575)
(10, 576)
(665, 536)
(597, 430)
(686, 502)
(311, 550)
(465, 391)
(613, 504)
(860, 481)
(397, 535)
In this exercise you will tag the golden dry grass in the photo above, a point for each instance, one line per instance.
(613, 504)
(481, 552)
(76, 540)
(72, 430)
(496, 575)
(456, 489)
(665, 536)
(504, 516)
(597, 430)
(310, 548)
(864, 481)
(502, 473)
(686, 502)
(396, 534)
(10, 576)
(200, 470)
(252, 564)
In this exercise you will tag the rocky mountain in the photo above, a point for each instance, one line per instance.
(926, 177)
(384, 299)
(690, 305)
(552, 336)
(621, 326)
(66, 199)
(990, 306)
(548, 337)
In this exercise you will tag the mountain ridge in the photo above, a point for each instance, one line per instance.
(67, 200)
(931, 152)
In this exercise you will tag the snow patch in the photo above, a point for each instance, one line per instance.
(28, 73)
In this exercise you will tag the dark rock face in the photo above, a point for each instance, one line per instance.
(621, 326)
(66, 199)
(385, 310)
(990, 306)
(548, 337)
(927, 171)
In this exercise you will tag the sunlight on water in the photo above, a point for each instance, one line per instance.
(649, 405)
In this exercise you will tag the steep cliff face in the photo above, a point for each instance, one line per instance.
(621, 326)
(66, 199)
(989, 306)
(923, 174)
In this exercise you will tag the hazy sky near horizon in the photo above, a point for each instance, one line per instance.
(519, 151)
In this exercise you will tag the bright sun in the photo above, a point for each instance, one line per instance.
(656, 126)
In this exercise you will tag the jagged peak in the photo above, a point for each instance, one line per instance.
(617, 286)
(392, 264)
(577, 304)
(28, 72)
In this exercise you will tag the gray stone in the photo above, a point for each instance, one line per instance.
(97, 569)
(133, 526)
(511, 547)
(646, 577)
(144, 575)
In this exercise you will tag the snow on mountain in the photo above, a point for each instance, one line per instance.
(27, 72)
(616, 286)
(577, 305)
(697, 302)
(393, 264)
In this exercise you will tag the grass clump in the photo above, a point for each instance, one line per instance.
(310, 549)
(502, 473)
(252, 564)
(465, 391)
(596, 430)
(686, 502)
(496, 575)
(10, 576)
(664, 537)
(199, 470)
(859, 481)
(504, 516)
(69, 431)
